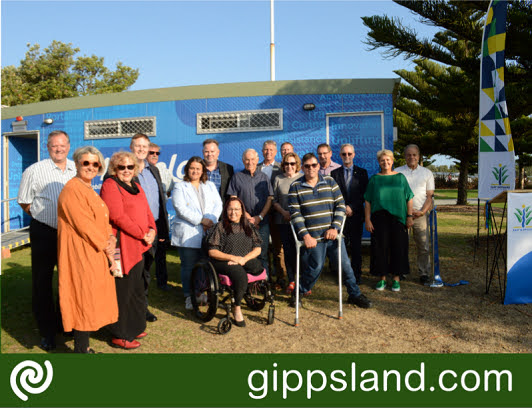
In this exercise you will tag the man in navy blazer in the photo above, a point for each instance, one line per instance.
(218, 172)
(352, 181)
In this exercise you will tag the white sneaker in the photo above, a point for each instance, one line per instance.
(188, 303)
(202, 299)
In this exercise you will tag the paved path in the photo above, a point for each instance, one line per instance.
(452, 201)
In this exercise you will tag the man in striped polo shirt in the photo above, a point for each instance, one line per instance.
(39, 190)
(317, 210)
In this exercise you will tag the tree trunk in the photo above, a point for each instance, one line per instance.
(521, 177)
(462, 182)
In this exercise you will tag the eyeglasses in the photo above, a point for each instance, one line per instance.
(347, 154)
(289, 163)
(152, 152)
(121, 167)
(87, 163)
(313, 165)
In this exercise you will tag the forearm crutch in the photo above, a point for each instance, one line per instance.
(299, 244)
(339, 240)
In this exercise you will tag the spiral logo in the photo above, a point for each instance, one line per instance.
(32, 374)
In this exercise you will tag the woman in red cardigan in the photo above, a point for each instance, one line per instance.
(134, 227)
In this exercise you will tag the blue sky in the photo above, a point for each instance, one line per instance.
(179, 43)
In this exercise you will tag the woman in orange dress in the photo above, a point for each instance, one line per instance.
(87, 293)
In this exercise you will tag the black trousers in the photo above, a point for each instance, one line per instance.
(238, 275)
(81, 341)
(353, 233)
(160, 263)
(131, 305)
(43, 261)
(389, 245)
(148, 258)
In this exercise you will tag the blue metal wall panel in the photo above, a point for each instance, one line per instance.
(177, 136)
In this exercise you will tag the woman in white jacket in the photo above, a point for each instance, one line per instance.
(198, 206)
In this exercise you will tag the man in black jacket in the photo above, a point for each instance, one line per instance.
(218, 172)
(352, 181)
(150, 180)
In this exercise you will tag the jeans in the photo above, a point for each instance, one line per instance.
(264, 232)
(313, 260)
(189, 257)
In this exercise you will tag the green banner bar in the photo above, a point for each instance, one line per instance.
(244, 380)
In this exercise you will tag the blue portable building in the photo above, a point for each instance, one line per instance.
(238, 115)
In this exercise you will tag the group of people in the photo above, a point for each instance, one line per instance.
(107, 243)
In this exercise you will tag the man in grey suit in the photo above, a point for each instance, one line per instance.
(218, 172)
(269, 166)
(272, 168)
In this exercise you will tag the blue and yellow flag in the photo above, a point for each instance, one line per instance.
(496, 158)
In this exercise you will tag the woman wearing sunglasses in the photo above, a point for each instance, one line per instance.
(291, 167)
(134, 227)
(85, 243)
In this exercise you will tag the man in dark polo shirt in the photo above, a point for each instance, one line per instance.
(253, 187)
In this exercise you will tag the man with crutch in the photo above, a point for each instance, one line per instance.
(317, 211)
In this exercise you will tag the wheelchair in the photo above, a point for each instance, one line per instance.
(211, 291)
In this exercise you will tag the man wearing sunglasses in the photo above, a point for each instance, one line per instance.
(317, 210)
(39, 190)
(161, 271)
(150, 180)
(167, 179)
(352, 181)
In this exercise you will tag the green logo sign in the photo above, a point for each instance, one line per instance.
(524, 216)
(500, 173)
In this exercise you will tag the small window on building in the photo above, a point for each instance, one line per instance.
(119, 128)
(240, 121)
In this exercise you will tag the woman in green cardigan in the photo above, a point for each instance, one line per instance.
(388, 215)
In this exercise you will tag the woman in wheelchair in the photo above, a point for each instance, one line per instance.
(234, 246)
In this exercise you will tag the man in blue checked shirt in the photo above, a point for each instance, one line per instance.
(317, 210)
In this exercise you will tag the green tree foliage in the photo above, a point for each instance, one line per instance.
(438, 103)
(56, 73)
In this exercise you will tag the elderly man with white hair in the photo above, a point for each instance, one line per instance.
(421, 182)
(253, 187)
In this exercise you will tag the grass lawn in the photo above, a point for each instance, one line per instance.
(453, 194)
(419, 319)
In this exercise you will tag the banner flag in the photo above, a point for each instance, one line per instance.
(496, 157)
(519, 244)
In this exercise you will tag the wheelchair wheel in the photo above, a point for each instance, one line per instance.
(224, 325)
(204, 289)
(271, 314)
(255, 296)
